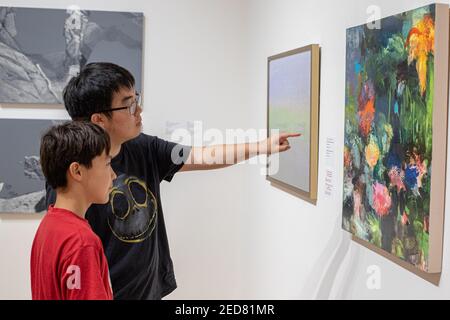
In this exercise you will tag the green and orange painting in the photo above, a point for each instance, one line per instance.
(388, 133)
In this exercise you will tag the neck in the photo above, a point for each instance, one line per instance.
(72, 202)
(115, 148)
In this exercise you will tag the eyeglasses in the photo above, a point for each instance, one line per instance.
(131, 108)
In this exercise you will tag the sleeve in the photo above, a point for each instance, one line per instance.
(170, 157)
(50, 195)
(83, 278)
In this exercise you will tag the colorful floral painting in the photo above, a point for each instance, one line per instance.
(388, 133)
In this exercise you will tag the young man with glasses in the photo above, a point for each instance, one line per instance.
(131, 226)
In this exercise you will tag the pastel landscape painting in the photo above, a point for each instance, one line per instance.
(289, 111)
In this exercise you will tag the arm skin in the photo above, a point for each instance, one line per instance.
(222, 156)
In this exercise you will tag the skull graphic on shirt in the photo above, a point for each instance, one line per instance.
(133, 210)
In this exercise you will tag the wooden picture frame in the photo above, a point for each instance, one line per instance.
(393, 203)
(293, 89)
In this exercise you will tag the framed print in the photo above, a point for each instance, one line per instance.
(293, 106)
(42, 49)
(22, 183)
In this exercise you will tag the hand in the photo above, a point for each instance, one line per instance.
(276, 143)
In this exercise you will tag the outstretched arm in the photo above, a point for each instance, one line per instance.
(222, 156)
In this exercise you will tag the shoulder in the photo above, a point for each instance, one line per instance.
(80, 240)
(79, 236)
(141, 141)
(87, 237)
(145, 143)
(65, 236)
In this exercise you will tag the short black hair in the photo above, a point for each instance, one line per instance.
(93, 88)
(74, 141)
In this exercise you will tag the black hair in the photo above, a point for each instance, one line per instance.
(75, 141)
(93, 88)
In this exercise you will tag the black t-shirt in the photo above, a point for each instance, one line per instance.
(131, 226)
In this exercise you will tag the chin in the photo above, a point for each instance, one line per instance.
(137, 133)
(103, 201)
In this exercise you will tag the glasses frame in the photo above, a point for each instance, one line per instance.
(134, 105)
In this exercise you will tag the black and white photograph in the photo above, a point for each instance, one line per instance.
(22, 184)
(41, 49)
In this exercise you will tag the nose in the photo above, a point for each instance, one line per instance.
(113, 175)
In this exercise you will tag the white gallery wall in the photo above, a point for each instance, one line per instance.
(297, 250)
(232, 235)
(194, 69)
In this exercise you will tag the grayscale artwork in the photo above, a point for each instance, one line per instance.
(22, 184)
(41, 49)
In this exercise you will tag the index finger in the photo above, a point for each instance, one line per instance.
(290, 135)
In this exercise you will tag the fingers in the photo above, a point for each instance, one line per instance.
(284, 148)
(289, 135)
(280, 142)
(281, 146)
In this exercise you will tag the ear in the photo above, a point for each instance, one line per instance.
(99, 119)
(75, 171)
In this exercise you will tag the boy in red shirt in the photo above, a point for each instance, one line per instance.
(67, 258)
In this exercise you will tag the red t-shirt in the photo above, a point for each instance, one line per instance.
(67, 260)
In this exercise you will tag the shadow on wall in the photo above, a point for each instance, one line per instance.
(326, 268)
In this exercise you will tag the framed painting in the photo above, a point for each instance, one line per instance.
(396, 136)
(293, 106)
(41, 49)
(22, 183)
